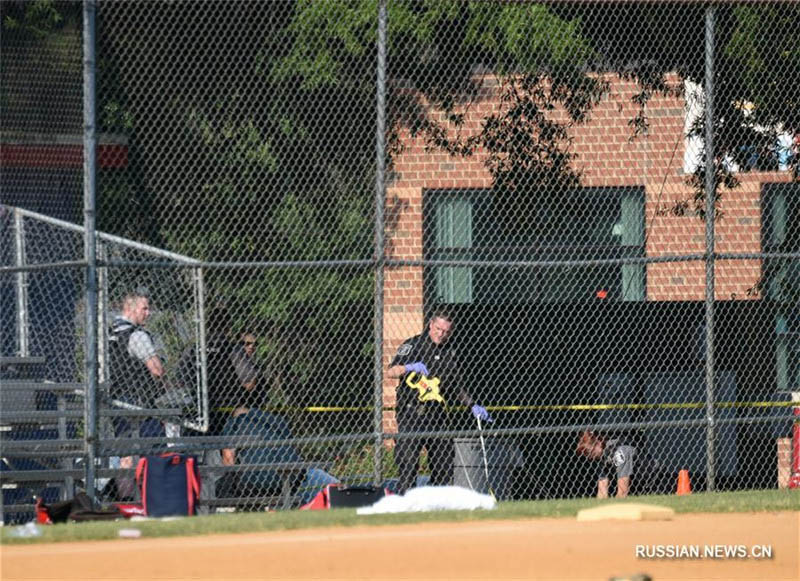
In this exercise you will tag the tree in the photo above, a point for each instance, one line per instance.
(757, 70)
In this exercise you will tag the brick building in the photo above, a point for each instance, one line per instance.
(633, 182)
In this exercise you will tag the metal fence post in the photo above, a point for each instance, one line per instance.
(201, 353)
(380, 196)
(710, 192)
(90, 247)
(23, 348)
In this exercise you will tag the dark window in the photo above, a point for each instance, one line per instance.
(580, 225)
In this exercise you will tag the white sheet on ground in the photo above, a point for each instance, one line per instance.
(428, 498)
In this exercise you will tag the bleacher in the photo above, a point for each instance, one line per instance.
(36, 435)
(43, 448)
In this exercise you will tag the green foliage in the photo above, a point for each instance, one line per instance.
(358, 461)
(321, 34)
(114, 118)
(317, 61)
(41, 50)
(37, 18)
(527, 39)
(763, 49)
(436, 49)
(757, 74)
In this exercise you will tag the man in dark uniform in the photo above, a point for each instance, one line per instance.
(137, 379)
(136, 368)
(429, 375)
(619, 460)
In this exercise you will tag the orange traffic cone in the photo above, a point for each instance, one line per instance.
(684, 486)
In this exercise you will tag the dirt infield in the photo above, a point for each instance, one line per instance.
(529, 549)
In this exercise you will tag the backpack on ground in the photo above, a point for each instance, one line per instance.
(169, 484)
(78, 509)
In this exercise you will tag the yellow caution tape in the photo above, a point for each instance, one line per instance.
(563, 407)
(643, 406)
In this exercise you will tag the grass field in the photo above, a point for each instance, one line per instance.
(721, 502)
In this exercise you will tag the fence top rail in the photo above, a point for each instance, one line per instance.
(22, 360)
(43, 386)
(105, 237)
(20, 416)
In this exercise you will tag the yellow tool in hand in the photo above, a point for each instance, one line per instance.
(428, 387)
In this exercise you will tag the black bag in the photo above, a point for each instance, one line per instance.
(354, 496)
(340, 496)
(79, 509)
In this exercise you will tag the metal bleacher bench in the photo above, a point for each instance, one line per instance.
(286, 499)
(19, 388)
(39, 446)
(26, 458)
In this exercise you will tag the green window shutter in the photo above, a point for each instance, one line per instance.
(453, 232)
(632, 235)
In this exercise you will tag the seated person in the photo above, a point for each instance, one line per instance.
(249, 375)
(613, 457)
(265, 426)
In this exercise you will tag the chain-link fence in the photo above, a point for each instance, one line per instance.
(326, 231)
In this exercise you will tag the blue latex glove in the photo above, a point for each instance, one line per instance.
(481, 413)
(417, 367)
